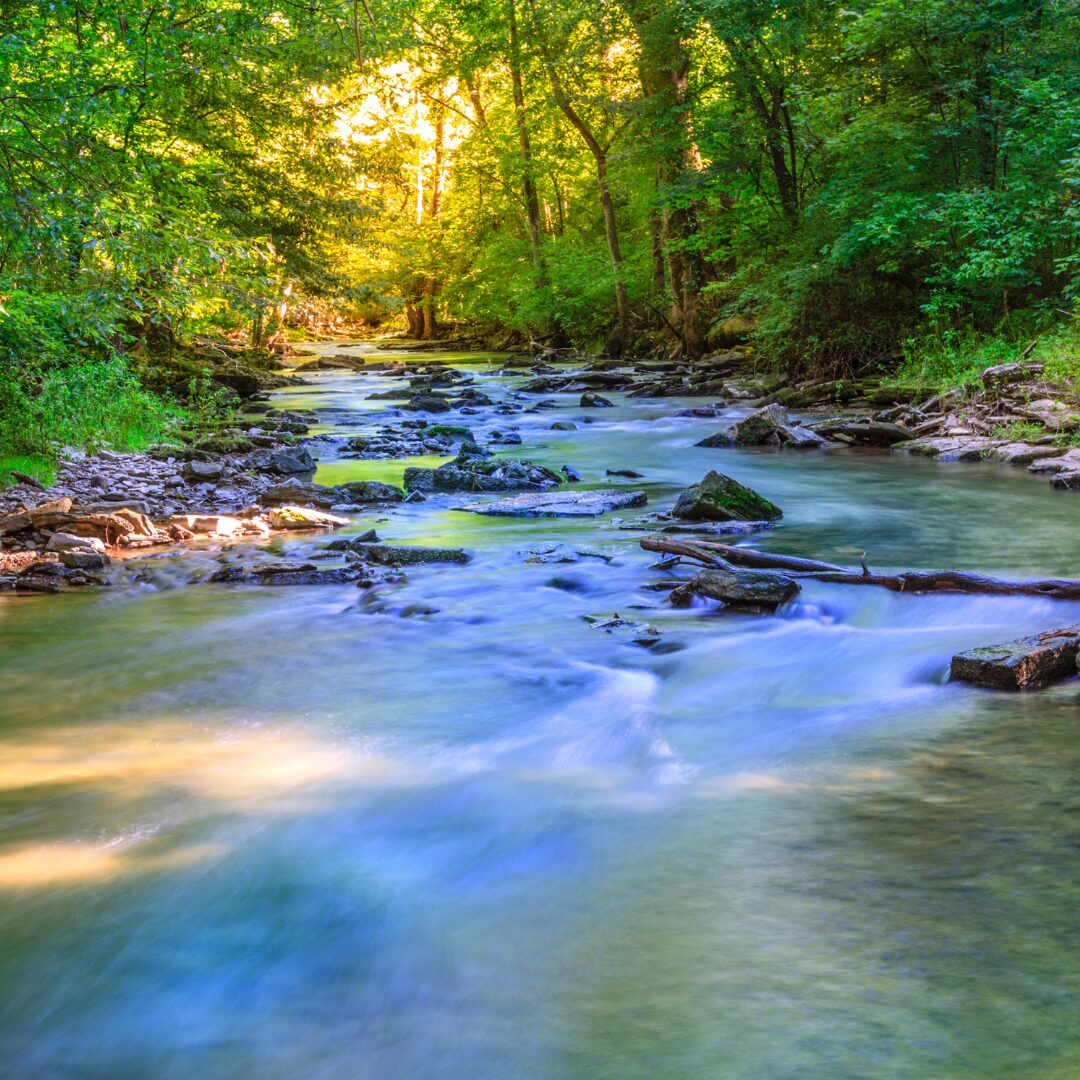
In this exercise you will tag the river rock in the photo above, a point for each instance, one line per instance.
(84, 560)
(1066, 481)
(720, 498)
(1067, 462)
(1019, 453)
(201, 471)
(212, 524)
(289, 461)
(404, 555)
(107, 527)
(60, 542)
(1021, 664)
(589, 400)
(427, 403)
(367, 491)
(284, 574)
(1052, 414)
(14, 523)
(470, 474)
(294, 491)
(759, 590)
(767, 426)
(298, 517)
(953, 448)
(560, 504)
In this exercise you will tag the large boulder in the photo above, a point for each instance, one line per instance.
(720, 498)
(757, 590)
(769, 426)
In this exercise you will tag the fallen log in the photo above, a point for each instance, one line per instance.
(716, 556)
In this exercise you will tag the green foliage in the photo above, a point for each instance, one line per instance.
(882, 187)
(84, 406)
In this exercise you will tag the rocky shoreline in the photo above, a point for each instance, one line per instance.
(253, 478)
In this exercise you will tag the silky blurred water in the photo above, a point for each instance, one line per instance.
(296, 833)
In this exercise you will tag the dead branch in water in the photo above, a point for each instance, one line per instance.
(715, 555)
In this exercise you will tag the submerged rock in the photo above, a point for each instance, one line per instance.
(1021, 664)
(560, 504)
(469, 473)
(284, 574)
(720, 498)
(759, 590)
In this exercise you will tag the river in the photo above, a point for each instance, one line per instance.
(455, 831)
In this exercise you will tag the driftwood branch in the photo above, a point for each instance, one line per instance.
(715, 556)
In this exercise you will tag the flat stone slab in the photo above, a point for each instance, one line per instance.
(953, 448)
(560, 504)
(1021, 664)
(404, 555)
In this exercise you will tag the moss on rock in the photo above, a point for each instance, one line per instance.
(720, 498)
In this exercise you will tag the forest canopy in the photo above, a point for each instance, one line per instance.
(879, 185)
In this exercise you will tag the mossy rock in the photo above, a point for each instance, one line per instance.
(449, 430)
(720, 498)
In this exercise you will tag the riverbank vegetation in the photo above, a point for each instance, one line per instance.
(874, 187)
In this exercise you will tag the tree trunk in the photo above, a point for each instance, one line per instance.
(528, 179)
(776, 128)
(663, 69)
(599, 153)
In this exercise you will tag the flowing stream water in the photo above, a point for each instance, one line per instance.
(458, 832)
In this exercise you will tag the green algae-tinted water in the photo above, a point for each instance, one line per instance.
(286, 833)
